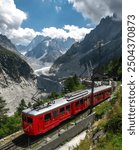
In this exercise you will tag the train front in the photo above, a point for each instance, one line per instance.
(28, 122)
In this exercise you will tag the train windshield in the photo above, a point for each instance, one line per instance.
(29, 120)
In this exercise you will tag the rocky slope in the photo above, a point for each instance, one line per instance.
(101, 45)
(38, 39)
(16, 79)
(48, 50)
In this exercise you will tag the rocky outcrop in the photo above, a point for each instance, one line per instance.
(17, 81)
(6, 43)
(48, 50)
(100, 46)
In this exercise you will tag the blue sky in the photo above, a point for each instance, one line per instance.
(22, 20)
(48, 13)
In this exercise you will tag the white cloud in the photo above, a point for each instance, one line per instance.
(11, 19)
(67, 31)
(96, 9)
(10, 16)
(54, 32)
(22, 36)
(58, 9)
(76, 32)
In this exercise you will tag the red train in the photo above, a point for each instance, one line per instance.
(39, 120)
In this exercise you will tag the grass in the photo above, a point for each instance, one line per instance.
(110, 121)
(10, 125)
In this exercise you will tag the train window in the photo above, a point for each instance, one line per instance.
(47, 117)
(24, 118)
(81, 101)
(55, 113)
(68, 108)
(62, 110)
(77, 103)
(29, 120)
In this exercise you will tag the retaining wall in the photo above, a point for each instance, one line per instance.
(69, 134)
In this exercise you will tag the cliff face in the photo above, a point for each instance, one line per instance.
(16, 79)
(107, 35)
(14, 66)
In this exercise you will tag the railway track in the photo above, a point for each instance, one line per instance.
(24, 141)
(13, 144)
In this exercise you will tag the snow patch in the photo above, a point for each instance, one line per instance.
(23, 53)
(43, 71)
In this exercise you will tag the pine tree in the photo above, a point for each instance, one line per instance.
(76, 80)
(3, 110)
(69, 84)
(21, 107)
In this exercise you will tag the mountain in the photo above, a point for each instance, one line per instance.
(13, 65)
(21, 49)
(38, 39)
(50, 49)
(24, 49)
(16, 79)
(6, 43)
(98, 48)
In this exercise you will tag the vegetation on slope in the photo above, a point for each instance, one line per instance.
(9, 125)
(72, 84)
(114, 69)
(110, 123)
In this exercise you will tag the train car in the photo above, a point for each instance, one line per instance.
(100, 94)
(43, 118)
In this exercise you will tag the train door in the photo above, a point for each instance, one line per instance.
(62, 113)
(40, 124)
(82, 104)
(85, 102)
(47, 121)
(77, 106)
(55, 118)
(93, 99)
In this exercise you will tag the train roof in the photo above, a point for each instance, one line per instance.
(62, 101)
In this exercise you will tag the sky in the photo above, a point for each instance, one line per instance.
(22, 20)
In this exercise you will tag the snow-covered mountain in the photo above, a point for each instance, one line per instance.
(34, 42)
(48, 50)
(108, 33)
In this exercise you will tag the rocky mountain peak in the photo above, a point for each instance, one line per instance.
(108, 33)
(48, 50)
(13, 65)
(6, 43)
(35, 42)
